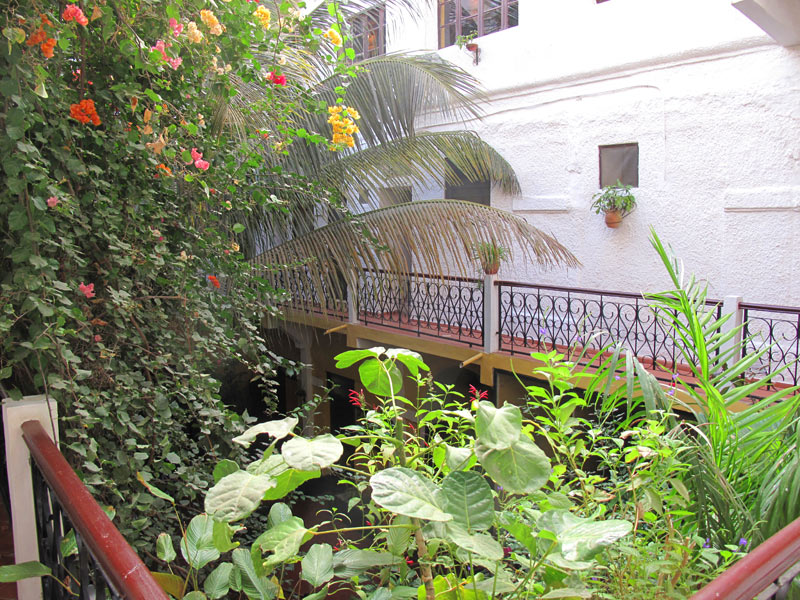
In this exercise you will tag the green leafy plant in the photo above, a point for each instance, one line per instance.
(489, 255)
(614, 198)
(463, 40)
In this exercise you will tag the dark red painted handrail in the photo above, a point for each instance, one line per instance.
(125, 571)
(758, 570)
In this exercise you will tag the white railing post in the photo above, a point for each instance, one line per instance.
(730, 306)
(352, 303)
(20, 482)
(491, 314)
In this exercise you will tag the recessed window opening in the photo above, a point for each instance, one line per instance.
(478, 17)
(619, 162)
(479, 192)
(368, 33)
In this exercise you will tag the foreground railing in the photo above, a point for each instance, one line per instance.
(99, 564)
(766, 573)
(775, 329)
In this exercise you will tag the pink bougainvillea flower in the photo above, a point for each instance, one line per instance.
(52, 201)
(202, 164)
(97, 338)
(175, 62)
(87, 290)
(196, 155)
(176, 27)
(214, 281)
(73, 13)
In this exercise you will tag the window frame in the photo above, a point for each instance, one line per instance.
(363, 19)
(441, 26)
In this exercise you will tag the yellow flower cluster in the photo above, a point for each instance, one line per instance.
(263, 16)
(342, 121)
(193, 33)
(334, 37)
(211, 22)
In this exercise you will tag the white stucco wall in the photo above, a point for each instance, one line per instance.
(712, 101)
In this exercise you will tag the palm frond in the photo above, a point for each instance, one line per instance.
(433, 235)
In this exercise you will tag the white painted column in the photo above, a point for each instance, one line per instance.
(491, 314)
(20, 483)
(352, 303)
(730, 306)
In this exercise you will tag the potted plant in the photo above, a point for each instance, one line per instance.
(615, 201)
(489, 255)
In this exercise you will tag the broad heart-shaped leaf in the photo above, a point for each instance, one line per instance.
(237, 495)
(223, 468)
(164, 548)
(33, 568)
(318, 565)
(479, 543)
(381, 378)
(521, 531)
(459, 459)
(412, 361)
(498, 428)
(197, 546)
(278, 429)
(469, 499)
(580, 539)
(223, 536)
(286, 478)
(217, 583)
(170, 583)
(310, 455)
(350, 561)
(278, 513)
(521, 469)
(253, 585)
(351, 357)
(271, 538)
(406, 492)
(195, 596)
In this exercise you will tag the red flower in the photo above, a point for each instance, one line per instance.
(475, 395)
(214, 281)
(74, 13)
(276, 79)
(87, 290)
(356, 398)
(84, 112)
(47, 47)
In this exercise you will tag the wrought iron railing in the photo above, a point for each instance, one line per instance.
(435, 306)
(100, 564)
(540, 318)
(775, 329)
(766, 573)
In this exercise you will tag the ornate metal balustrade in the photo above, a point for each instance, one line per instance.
(766, 573)
(775, 329)
(441, 307)
(540, 318)
(304, 293)
(93, 562)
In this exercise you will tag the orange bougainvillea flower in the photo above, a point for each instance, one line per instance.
(164, 168)
(84, 112)
(47, 47)
(73, 13)
(214, 281)
(37, 37)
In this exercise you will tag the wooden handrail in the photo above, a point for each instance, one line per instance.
(758, 570)
(125, 571)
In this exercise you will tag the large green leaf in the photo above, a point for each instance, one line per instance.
(381, 378)
(254, 585)
(217, 583)
(310, 455)
(459, 459)
(33, 568)
(498, 428)
(278, 513)
(195, 595)
(278, 429)
(317, 564)
(286, 478)
(237, 495)
(469, 499)
(164, 548)
(351, 561)
(580, 539)
(412, 360)
(521, 469)
(479, 543)
(283, 540)
(409, 493)
(197, 546)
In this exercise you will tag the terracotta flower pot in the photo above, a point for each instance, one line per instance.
(491, 268)
(613, 218)
(472, 46)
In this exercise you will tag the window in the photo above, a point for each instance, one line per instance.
(619, 162)
(479, 192)
(368, 33)
(464, 17)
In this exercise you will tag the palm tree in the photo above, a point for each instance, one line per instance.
(394, 94)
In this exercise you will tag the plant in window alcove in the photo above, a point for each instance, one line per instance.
(615, 201)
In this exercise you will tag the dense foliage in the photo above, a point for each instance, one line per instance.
(119, 216)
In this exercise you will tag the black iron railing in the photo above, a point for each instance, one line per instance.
(441, 307)
(86, 553)
(540, 318)
(775, 329)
